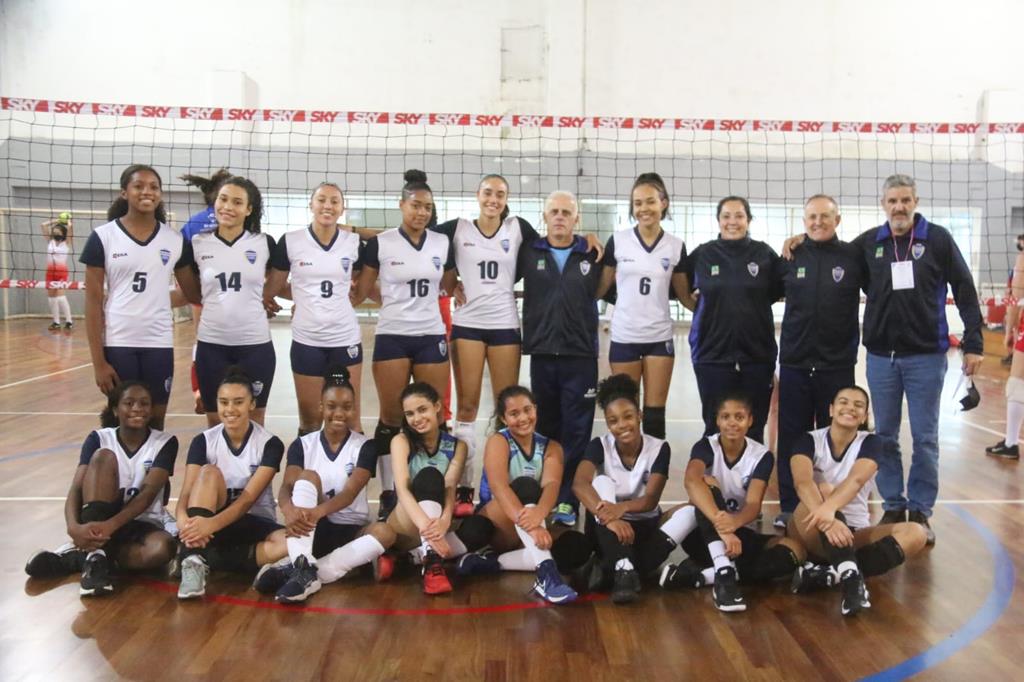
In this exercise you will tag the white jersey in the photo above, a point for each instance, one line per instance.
(755, 462)
(132, 470)
(312, 452)
(57, 253)
(231, 276)
(643, 282)
(487, 270)
(828, 469)
(212, 446)
(321, 278)
(410, 279)
(630, 484)
(137, 309)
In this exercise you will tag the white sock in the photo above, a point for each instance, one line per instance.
(304, 495)
(516, 560)
(845, 566)
(54, 309)
(717, 551)
(623, 565)
(536, 555)
(65, 307)
(466, 431)
(387, 479)
(416, 556)
(455, 544)
(1014, 420)
(604, 486)
(362, 550)
(681, 524)
(709, 576)
(432, 510)
(95, 552)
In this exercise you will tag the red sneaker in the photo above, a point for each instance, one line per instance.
(435, 580)
(463, 502)
(383, 567)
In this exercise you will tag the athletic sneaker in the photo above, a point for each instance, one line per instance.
(193, 577)
(893, 516)
(484, 562)
(810, 577)
(591, 576)
(782, 520)
(66, 560)
(1001, 449)
(435, 580)
(726, 592)
(68, 326)
(550, 587)
(54, 327)
(463, 502)
(304, 581)
(272, 577)
(96, 577)
(625, 586)
(855, 594)
(920, 518)
(687, 574)
(388, 502)
(383, 567)
(564, 515)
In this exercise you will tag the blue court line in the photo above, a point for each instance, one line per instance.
(1003, 579)
(39, 453)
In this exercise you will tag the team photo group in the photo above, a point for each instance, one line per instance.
(542, 491)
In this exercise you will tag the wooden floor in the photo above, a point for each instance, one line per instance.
(955, 613)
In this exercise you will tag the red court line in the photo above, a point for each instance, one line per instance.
(340, 611)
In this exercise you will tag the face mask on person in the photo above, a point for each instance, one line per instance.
(57, 236)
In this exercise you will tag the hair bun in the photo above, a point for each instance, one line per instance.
(414, 175)
(337, 375)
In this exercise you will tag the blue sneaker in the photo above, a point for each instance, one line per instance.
(272, 577)
(564, 515)
(550, 586)
(478, 563)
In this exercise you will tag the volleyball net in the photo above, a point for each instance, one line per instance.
(59, 156)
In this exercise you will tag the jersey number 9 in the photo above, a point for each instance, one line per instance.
(326, 288)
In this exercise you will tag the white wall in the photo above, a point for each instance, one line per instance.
(866, 60)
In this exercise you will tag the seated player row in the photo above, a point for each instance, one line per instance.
(226, 518)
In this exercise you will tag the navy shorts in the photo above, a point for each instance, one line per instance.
(330, 536)
(247, 530)
(635, 352)
(152, 366)
(491, 337)
(422, 350)
(212, 359)
(313, 361)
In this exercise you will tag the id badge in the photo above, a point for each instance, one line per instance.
(903, 275)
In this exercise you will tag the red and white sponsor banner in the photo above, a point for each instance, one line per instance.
(38, 284)
(500, 120)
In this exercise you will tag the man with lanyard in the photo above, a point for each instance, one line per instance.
(910, 263)
(560, 281)
(820, 333)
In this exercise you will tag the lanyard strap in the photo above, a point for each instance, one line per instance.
(896, 251)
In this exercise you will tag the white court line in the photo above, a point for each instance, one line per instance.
(43, 376)
(982, 428)
(665, 502)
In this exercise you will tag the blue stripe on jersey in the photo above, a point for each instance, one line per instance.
(698, 315)
(940, 309)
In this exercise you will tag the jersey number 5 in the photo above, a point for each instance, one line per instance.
(139, 282)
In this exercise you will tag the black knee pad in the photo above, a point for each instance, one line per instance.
(773, 563)
(97, 511)
(475, 532)
(199, 511)
(654, 421)
(880, 557)
(382, 436)
(428, 485)
(570, 550)
(704, 525)
(526, 489)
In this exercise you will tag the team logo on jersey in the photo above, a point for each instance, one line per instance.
(505, 245)
(147, 465)
(252, 470)
(346, 263)
(257, 388)
(837, 274)
(879, 252)
(305, 263)
(732, 505)
(753, 269)
(530, 470)
(541, 264)
(917, 250)
(646, 477)
(442, 347)
(714, 271)
(349, 468)
(801, 273)
(745, 482)
(122, 254)
(353, 352)
(165, 255)
(167, 384)
(665, 263)
(585, 267)
(436, 260)
(670, 348)
(250, 256)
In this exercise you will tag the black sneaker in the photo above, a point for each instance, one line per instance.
(388, 502)
(855, 594)
(625, 586)
(919, 517)
(811, 577)
(590, 577)
(1001, 449)
(96, 577)
(463, 502)
(726, 592)
(893, 516)
(54, 327)
(272, 577)
(68, 326)
(687, 574)
(65, 561)
(304, 581)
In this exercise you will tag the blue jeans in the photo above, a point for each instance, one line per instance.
(920, 377)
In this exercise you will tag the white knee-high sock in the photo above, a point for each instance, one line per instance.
(303, 495)
(605, 488)
(466, 431)
(1014, 420)
(432, 510)
(681, 524)
(360, 551)
(54, 310)
(516, 560)
(65, 307)
(455, 544)
(387, 479)
(536, 554)
(718, 555)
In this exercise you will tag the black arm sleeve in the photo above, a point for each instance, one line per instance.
(296, 454)
(89, 447)
(197, 451)
(447, 228)
(167, 455)
(370, 254)
(660, 465)
(279, 257)
(702, 451)
(273, 452)
(449, 262)
(92, 253)
(965, 295)
(188, 257)
(368, 456)
(804, 445)
(681, 265)
(763, 470)
(594, 453)
(527, 230)
(871, 448)
(609, 252)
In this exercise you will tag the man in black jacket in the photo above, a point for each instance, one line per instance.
(560, 280)
(820, 333)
